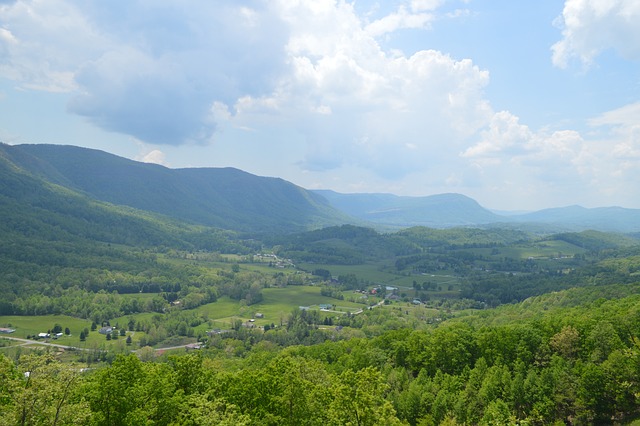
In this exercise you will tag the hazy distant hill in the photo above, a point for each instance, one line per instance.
(577, 218)
(451, 210)
(436, 211)
(221, 197)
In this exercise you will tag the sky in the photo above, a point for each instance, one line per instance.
(519, 105)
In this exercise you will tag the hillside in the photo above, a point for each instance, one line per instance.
(577, 218)
(389, 211)
(436, 211)
(221, 197)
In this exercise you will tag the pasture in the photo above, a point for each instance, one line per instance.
(276, 306)
(33, 325)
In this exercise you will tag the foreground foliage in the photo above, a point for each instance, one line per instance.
(576, 364)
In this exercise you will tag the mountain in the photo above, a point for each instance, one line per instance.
(578, 218)
(451, 210)
(232, 199)
(220, 197)
(435, 211)
(39, 216)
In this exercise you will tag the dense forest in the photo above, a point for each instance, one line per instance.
(568, 357)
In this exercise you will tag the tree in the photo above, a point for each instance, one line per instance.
(498, 414)
(566, 342)
(83, 337)
(67, 331)
(131, 392)
(129, 340)
(359, 400)
(198, 410)
(47, 394)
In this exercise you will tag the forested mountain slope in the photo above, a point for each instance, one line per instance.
(436, 211)
(222, 197)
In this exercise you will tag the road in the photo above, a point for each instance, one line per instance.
(374, 306)
(25, 342)
(36, 342)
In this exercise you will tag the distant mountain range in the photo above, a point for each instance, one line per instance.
(231, 199)
(451, 210)
(435, 211)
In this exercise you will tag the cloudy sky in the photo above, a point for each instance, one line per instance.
(520, 105)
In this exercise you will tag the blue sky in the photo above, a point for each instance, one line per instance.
(520, 105)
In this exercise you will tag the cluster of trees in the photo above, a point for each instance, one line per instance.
(494, 289)
(577, 364)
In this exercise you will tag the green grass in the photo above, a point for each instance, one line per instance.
(141, 297)
(541, 249)
(32, 325)
(371, 272)
(276, 306)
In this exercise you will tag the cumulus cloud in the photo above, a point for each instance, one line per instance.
(155, 157)
(169, 74)
(624, 137)
(358, 105)
(510, 158)
(592, 26)
(149, 70)
(41, 44)
(403, 18)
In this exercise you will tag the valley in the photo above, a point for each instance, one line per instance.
(325, 319)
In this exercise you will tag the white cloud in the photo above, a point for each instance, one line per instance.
(628, 115)
(358, 105)
(42, 43)
(624, 137)
(150, 70)
(399, 20)
(167, 74)
(592, 26)
(422, 5)
(525, 165)
(6, 37)
(155, 157)
(504, 134)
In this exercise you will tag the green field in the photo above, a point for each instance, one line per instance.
(547, 249)
(30, 325)
(33, 325)
(376, 275)
(276, 306)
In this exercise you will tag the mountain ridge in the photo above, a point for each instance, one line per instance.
(438, 211)
(220, 197)
(398, 212)
(229, 198)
